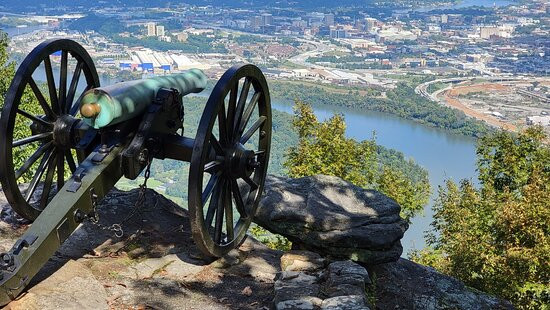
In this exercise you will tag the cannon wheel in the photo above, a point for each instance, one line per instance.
(36, 153)
(229, 160)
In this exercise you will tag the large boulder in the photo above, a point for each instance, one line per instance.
(408, 285)
(333, 217)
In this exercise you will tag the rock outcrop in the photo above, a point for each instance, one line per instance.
(307, 283)
(327, 215)
(156, 265)
(408, 285)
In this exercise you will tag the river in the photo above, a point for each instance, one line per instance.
(443, 154)
(462, 4)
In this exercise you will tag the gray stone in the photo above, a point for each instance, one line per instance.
(295, 304)
(352, 302)
(408, 285)
(330, 216)
(292, 285)
(230, 259)
(302, 261)
(346, 278)
(71, 287)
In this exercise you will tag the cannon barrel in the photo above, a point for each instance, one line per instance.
(109, 105)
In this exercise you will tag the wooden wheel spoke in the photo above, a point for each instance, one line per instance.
(216, 145)
(214, 180)
(228, 212)
(47, 186)
(248, 113)
(249, 181)
(39, 172)
(253, 129)
(222, 126)
(231, 109)
(242, 102)
(213, 166)
(60, 170)
(218, 224)
(51, 84)
(35, 119)
(70, 161)
(63, 81)
(239, 203)
(76, 105)
(31, 139)
(212, 206)
(41, 100)
(32, 159)
(72, 88)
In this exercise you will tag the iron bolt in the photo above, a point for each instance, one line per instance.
(7, 261)
(79, 216)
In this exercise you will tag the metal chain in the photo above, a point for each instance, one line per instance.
(117, 227)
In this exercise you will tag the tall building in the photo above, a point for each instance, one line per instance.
(267, 19)
(160, 31)
(487, 32)
(255, 21)
(151, 29)
(328, 19)
(370, 23)
(338, 33)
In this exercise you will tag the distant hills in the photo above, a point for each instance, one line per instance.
(31, 5)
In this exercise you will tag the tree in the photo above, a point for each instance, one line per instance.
(7, 68)
(496, 237)
(324, 149)
(28, 103)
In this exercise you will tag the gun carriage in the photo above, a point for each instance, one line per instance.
(73, 149)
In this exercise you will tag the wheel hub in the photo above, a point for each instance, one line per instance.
(241, 162)
(63, 131)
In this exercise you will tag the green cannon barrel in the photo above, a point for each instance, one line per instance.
(109, 105)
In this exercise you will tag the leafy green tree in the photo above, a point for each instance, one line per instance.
(324, 149)
(7, 68)
(28, 103)
(496, 238)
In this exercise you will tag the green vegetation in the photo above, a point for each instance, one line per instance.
(436, 86)
(28, 103)
(497, 238)
(7, 68)
(8, 21)
(112, 27)
(323, 149)
(105, 25)
(194, 44)
(401, 101)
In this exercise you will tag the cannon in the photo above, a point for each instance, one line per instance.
(66, 151)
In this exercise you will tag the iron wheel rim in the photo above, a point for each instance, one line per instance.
(62, 102)
(236, 117)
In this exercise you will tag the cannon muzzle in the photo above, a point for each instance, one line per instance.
(104, 106)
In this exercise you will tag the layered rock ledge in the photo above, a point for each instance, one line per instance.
(156, 265)
(332, 217)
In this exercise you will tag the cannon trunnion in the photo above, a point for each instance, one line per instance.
(58, 157)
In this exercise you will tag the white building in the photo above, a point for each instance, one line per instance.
(151, 29)
(160, 31)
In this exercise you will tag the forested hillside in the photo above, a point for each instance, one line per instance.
(401, 101)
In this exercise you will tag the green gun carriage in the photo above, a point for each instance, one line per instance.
(58, 157)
